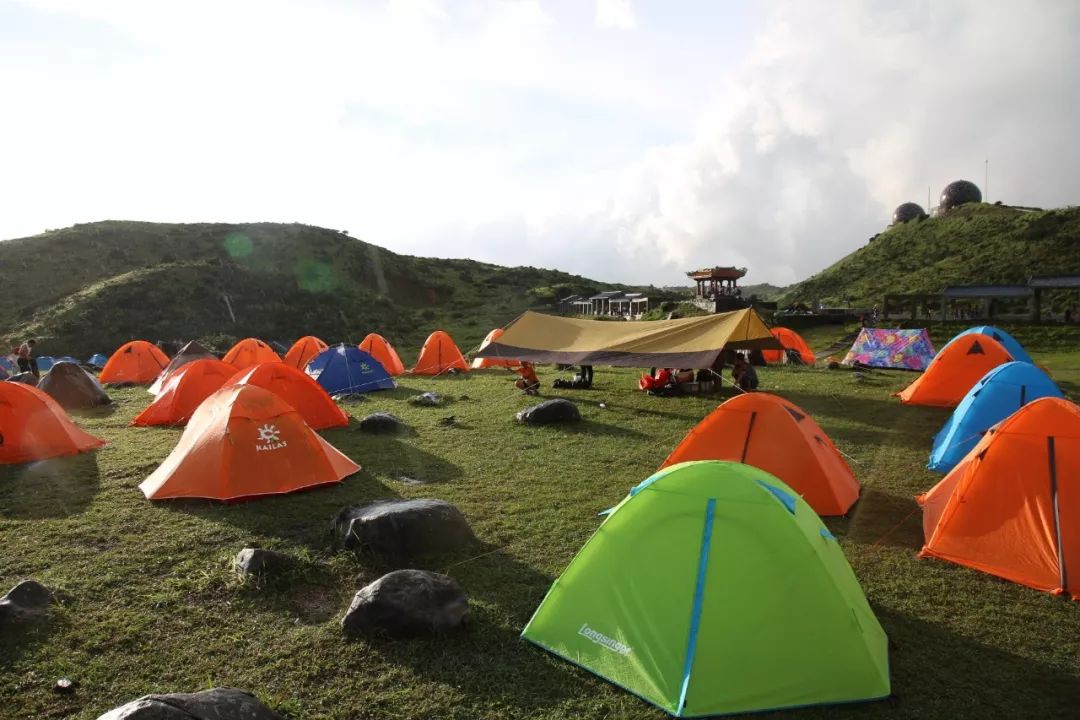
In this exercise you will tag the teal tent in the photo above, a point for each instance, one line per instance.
(714, 589)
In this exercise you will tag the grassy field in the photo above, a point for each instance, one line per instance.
(150, 604)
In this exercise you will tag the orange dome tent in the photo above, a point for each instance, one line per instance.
(439, 355)
(791, 340)
(479, 363)
(297, 389)
(136, 362)
(778, 437)
(954, 371)
(189, 353)
(242, 442)
(248, 352)
(303, 350)
(33, 426)
(379, 348)
(183, 391)
(1011, 508)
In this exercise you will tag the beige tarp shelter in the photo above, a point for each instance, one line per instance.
(687, 343)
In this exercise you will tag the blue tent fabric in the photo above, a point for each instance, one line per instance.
(999, 394)
(1010, 343)
(6, 364)
(97, 360)
(44, 362)
(348, 369)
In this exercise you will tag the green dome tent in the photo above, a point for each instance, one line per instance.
(714, 589)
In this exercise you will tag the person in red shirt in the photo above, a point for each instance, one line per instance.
(528, 383)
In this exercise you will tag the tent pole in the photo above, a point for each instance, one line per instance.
(1063, 576)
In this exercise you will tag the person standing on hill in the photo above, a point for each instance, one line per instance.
(24, 355)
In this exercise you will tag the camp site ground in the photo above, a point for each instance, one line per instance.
(149, 602)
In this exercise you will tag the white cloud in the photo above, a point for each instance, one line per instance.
(515, 132)
(615, 14)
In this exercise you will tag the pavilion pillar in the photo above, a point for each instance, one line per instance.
(1036, 305)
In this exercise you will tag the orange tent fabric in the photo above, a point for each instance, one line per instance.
(479, 362)
(303, 350)
(136, 362)
(439, 355)
(780, 438)
(183, 391)
(189, 353)
(297, 389)
(791, 340)
(248, 352)
(379, 348)
(33, 426)
(1011, 508)
(954, 371)
(242, 442)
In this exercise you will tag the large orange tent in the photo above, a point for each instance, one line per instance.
(1011, 508)
(297, 389)
(136, 362)
(380, 348)
(779, 437)
(242, 442)
(954, 371)
(303, 350)
(791, 340)
(439, 355)
(183, 391)
(248, 352)
(189, 353)
(482, 362)
(33, 426)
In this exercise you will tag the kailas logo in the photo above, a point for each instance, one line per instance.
(603, 640)
(269, 438)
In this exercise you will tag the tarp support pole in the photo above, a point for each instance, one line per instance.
(699, 600)
(1063, 576)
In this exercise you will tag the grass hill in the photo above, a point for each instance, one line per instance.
(972, 245)
(91, 287)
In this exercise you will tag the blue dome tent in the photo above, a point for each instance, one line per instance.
(999, 394)
(348, 369)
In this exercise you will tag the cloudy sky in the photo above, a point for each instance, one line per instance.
(626, 140)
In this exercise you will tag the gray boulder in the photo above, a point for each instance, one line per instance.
(406, 603)
(26, 378)
(26, 601)
(216, 704)
(404, 528)
(428, 399)
(557, 410)
(253, 561)
(382, 422)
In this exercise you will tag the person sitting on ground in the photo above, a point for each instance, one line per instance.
(24, 355)
(745, 375)
(528, 383)
(655, 380)
(684, 375)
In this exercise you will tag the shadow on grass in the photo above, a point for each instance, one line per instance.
(488, 657)
(390, 456)
(885, 519)
(935, 673)
(588, 427)
(304, 517)
(54, 488)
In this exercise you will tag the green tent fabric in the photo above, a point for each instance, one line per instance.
(714, 589)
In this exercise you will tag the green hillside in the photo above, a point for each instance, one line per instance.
(972, 245)
(91, 287)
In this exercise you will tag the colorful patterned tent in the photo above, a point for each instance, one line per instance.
(891, 348)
